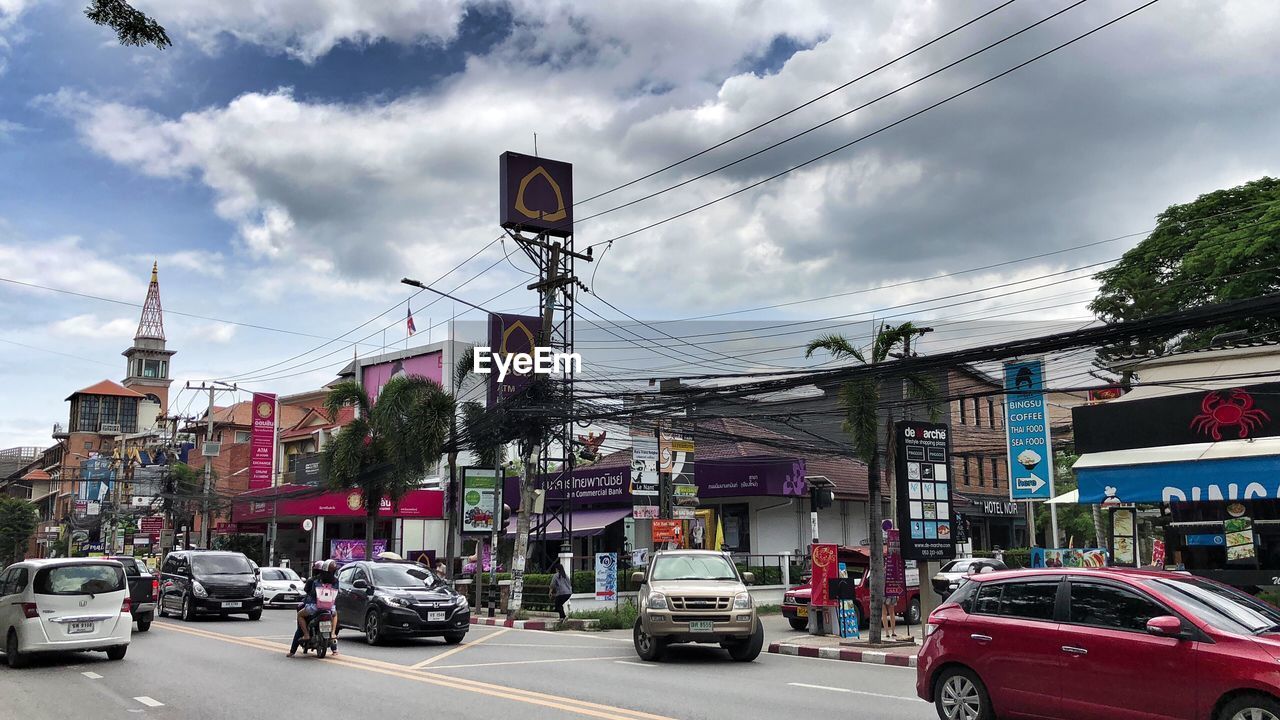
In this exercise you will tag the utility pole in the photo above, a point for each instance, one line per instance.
(206, 517)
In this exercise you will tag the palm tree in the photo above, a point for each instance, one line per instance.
(861, 399)
(390, 445)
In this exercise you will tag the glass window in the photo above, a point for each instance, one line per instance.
(402, 576)
(130, 567)
(129, 415)
(19, 580)
(151, 369)
(88, 413)
(79, 579)
(1032, 600)
(982, 473)
(242, 436)
(995, 473)
(987, 600)
(221, 565)
(1223, 607)
(961, 565)
(962, 413)
(963, 596)
(1107, 606)
(967, 480)
(693, 567)
(272, 575)
(4, 582)
(345, 577)
(977, 412)
(110, 410)
(991, 413)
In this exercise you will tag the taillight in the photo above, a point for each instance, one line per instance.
(29, 610)
(125, 607)
(155, 590)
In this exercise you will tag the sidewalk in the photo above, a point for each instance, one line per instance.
(851, 650)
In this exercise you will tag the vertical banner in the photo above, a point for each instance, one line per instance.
(479, 501)
(895, 570)
(262, 448)
(921, 462)
(1124, 537)
(606, 576)
(1026, 422)
(826, 566)
(644, 464)
(510, 334)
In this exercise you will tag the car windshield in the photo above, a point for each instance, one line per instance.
(693, 567)
(280, 574)
(1224, 608)
(957, 566)
(402, 576)
(79, 580)
(221, 565)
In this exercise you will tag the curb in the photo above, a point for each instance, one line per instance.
(515, 624)
(848, 654)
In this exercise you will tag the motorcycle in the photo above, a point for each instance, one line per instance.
(320, 627)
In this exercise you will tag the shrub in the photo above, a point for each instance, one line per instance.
(622, 618)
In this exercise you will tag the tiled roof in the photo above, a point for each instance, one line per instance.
(107, 387)
(37, 474)
(241, 414)
(302, 428)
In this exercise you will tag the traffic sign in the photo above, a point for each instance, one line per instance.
(1026, 422)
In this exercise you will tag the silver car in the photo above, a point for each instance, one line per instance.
(281, 586)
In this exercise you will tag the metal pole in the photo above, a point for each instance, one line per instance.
(208, 477)
(275, 438)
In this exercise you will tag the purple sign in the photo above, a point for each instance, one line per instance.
(535, 194)
(511, 334)
(895, 570)
(345, 551)
(429, 365)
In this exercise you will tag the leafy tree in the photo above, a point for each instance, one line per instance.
(390, 445)
(184, 489)
(861, 400)
(132, 26)
(17, 525)
(250, 545)
(1222, 246)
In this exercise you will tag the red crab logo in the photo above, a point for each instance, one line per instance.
(1226, 408)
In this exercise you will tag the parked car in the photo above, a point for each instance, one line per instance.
(385, 598)
(280, 586)
(795, 602)
(144, 590)
(64, 604)
(1106, 643)
(209, 582)
(696, 596)
(948, 577)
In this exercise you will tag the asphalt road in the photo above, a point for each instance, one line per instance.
(213, 669)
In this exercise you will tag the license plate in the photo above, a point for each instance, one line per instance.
(288, 598)
(80, 628)
(701, 626)
(435, 617)
(230, 605)
(802, 612)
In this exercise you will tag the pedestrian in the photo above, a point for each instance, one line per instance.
(889, 617)
(561, 589)
(440, 569)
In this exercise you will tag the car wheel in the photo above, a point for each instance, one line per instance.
(144, 625)
(749, 649)
(117, 652)
(372, 628)
(648, 647)
(960, 695)
(1250, 707)
(913, 612)
(160, 611)
(11, 655)
(188, 614)
(255, 615)
(799, 623)
(454, 638)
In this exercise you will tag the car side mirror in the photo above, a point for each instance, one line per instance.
(749, 578)
(1165, 626)
(638, 577)
(360, 585)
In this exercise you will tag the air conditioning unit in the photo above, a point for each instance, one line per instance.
(211, 449)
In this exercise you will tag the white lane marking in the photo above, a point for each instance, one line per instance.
(855, 692)
(92, 675)
(457, 649)
(149, 702)
(636, 664)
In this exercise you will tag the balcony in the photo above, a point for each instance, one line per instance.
(59, 432)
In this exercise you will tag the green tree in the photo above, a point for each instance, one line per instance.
(132, 26)
(861, 400)
(17, 525)
(1222, 246)
(1078, 525)
(387, 449)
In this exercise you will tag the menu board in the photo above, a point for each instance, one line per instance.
(1124, 538)
(922, 467)
(1239, 532)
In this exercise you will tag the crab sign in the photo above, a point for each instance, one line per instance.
(1228, 408)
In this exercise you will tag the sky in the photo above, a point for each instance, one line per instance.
(287, 162)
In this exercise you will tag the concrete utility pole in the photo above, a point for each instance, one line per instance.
(206, 516)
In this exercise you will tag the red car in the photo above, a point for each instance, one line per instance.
(1107, 643)
(795, 602)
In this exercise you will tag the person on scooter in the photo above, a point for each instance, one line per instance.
(323, 574)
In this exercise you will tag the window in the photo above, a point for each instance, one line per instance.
(693, 567)
(402, 576)
(88, 413)
(962, 414)
(982, 473)
(130, 567)
(991, 412)
(79, 579)
(345, 577)
(1224, 608)
(153, 368)
(171, 564)
(987, 601)
(967, 479)
(1033, 600)
(977, 412)
(1107, 606)
(242, 436)
(110, 410)
(4, 582)
(231, 564)
(129, 415)
(995, 472)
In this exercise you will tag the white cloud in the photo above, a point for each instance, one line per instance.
(91, 327)
(66, 263)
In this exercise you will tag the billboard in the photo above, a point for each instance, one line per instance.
(511, 334)
(1026, 422)
(345, 551)
(922, 458)
(262, 442)
(428, 365)
(479, 500)
(535, 194)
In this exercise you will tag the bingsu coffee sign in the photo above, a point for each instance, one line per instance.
(1026, 422)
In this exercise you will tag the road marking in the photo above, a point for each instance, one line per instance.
(524, 662)
(598, 637)
(559, 703)
(855, 692)
(453, 651)
(149, 702)
(92, 675)
(637, 664)
(861, 666)
(549, 645)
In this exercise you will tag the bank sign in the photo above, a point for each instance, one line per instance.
(1026, 422)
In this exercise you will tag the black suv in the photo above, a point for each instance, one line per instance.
(387, 598)
(209, 582)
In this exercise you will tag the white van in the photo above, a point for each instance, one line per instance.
(64, 604)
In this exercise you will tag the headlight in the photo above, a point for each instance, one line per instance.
(460, 600)
(742, 601)
(198, 590)
(397, 601)
(257, 591)
(656, 601)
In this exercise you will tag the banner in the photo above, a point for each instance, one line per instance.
(826, 566)
(921, 465)
(1124, 537)
(1068, 557)
(895, 570)
(510, 334)
(668, 531)
(345, 551)
(645, 455)
(1026, 422)
(606, 576)
(262, 448)
(479, 500)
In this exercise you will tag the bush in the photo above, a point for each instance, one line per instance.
(1015, 558)
(623, 618)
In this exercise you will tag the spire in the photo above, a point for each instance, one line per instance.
(151, 326)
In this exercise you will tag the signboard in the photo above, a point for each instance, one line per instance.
(1026, 422)
(535, 194)
(345, 551)
(922, 460)
(682, 513)
(1103, 394)
(1157, 553)
(225, 528)
(94, 508)
(826, 566)
(306, 470)
(429, 365)
(668, 531)
(509, 334)
(1246, 412)
(645, 512)
(479, 500)
(141, 540)
(684, 490)
(151, 524)
(895, 571)
(644, 466)
(414, 504)
(1124, 537)
(1068, 557)
(262, 443)
(606, 576)
(82, 507)
(1239, 536)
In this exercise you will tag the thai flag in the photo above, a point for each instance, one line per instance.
(409, 322)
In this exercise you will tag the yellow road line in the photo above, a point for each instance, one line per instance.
(453, 651)
(561, 703)
(527, 662)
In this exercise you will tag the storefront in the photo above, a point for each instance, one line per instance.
(992, 521)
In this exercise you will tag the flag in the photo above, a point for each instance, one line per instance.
(409, 321)
(718, 543)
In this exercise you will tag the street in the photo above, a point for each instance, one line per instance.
(237, 669)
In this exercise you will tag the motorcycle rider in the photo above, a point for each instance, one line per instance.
(323, 572)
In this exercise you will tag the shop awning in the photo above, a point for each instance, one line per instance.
(585, 523)
(1066, 498)
(1227, 470)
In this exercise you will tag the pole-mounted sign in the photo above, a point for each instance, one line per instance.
(536, 194)
(1026, 422)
